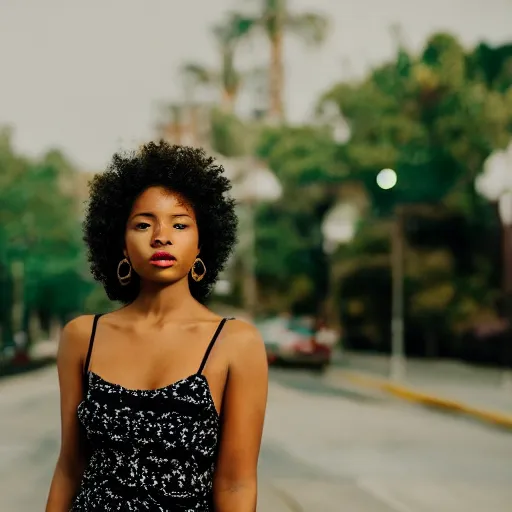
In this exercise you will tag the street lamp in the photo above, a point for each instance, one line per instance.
(386, 180)
(495, 184)
(338, 228)
(253, 184)
(258, 184)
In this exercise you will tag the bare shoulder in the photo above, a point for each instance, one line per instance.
(244, 333)
(244, 342)
(75, 336)
(78, 328)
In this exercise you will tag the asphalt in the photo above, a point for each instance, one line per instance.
(328, 447)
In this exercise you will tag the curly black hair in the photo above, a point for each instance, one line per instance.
(185, 170)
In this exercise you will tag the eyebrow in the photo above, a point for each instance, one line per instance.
(153, 216)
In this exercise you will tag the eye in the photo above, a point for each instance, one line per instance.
(180, 226)
(142, 225)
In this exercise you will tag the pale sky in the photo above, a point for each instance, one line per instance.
(87, 76)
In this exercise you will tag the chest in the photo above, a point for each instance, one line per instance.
(179, 416)
(154, 360)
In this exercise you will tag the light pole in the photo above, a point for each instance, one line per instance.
(18, 274)
(253, 184)
(495, 184)
(386, 180)
(338, 228)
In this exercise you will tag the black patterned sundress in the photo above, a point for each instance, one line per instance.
(149, 450)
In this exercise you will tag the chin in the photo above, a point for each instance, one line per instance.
(164, 278)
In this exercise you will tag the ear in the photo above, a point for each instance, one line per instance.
(125, 252)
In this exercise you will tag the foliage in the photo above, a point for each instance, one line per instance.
(302, 156)
(304, 159)
(434, 118)
(229, 135)
(427, 119)
(40, 235)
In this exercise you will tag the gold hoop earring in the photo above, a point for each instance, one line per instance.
(124, 280)
(195, 276)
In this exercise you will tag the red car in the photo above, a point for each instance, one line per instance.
(294, 340)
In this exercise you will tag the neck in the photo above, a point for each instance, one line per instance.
(169, 301)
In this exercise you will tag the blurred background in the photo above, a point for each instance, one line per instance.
(370, 149)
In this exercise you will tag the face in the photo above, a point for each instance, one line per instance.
(161, 239)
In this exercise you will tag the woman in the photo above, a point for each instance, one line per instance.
(162, 401)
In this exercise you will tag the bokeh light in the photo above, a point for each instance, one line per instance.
(387, 179)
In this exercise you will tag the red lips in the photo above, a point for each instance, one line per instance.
(162, 259)
(162, 256)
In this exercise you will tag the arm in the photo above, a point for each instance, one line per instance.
(243, 412)
(70, 464)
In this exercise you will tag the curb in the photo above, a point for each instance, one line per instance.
(413, 395)
(11, 371)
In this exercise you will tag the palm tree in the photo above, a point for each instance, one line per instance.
(274, 20)
(226, 77)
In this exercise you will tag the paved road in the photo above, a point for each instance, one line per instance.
(325, 449)
(480, 387)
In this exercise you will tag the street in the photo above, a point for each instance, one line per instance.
(325, 449)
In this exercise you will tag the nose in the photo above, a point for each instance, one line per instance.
(160, 238)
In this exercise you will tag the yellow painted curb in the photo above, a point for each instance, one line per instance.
(413, 395)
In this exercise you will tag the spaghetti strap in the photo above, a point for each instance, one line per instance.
(91, 343)
(210, 346)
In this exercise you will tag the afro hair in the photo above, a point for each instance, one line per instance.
(185, 170)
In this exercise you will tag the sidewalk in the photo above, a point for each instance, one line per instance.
(42, 354)
(452, 385)
(270, 499)
(44, 349)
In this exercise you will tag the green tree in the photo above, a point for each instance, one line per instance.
(292, 269)
(434, 119)
(426, 119)
(492, 65)
(41, 258)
